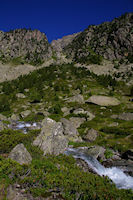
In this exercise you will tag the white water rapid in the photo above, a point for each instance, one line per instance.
(121, 180)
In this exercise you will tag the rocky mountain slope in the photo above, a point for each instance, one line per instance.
(60, 44)
(111, 40)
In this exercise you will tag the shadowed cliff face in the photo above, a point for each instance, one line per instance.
(112, 40)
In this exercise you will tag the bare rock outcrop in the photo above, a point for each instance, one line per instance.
(26, 45)
(112, 40)
(70, 130)
(51, 139)
(59, 44)
(91, 135)
(20, 155)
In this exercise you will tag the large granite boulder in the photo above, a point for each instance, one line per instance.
(70, 131)
(51, 139)
(20, 155)
(91, 135)
(77, 98)
(103, 100)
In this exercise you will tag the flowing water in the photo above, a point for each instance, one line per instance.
(24, 126)
(121, 180)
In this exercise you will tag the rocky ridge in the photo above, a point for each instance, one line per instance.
(108, 46)
(111, 40)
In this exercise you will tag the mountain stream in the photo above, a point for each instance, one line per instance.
(121, 180)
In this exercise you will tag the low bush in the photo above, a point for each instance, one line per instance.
(35, 96)
(91, 59)
(61, 174)
(115, 130)
(4, 103)
(10, 138)
(108, 153)
(55, 109)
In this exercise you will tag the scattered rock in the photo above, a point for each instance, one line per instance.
(77, 98)
(103, 108)
(45, 113)
(3, 118)
(76, 92)
(51, 139)
(96, 151)
(114, 116)
(91, 135)
(103, 100)
(124, 116)
(13, 193)
(80, 111)
(77, 121)
(66, 111)
(2, 126)
(14, 117)
(70, 131)
(26, 90)
(20, 155)
(16, 192)
(25, 113)
(89, 115)
(20, 95)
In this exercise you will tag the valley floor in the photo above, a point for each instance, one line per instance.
(66, 106)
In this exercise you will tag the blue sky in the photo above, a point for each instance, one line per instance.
(57, 18)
